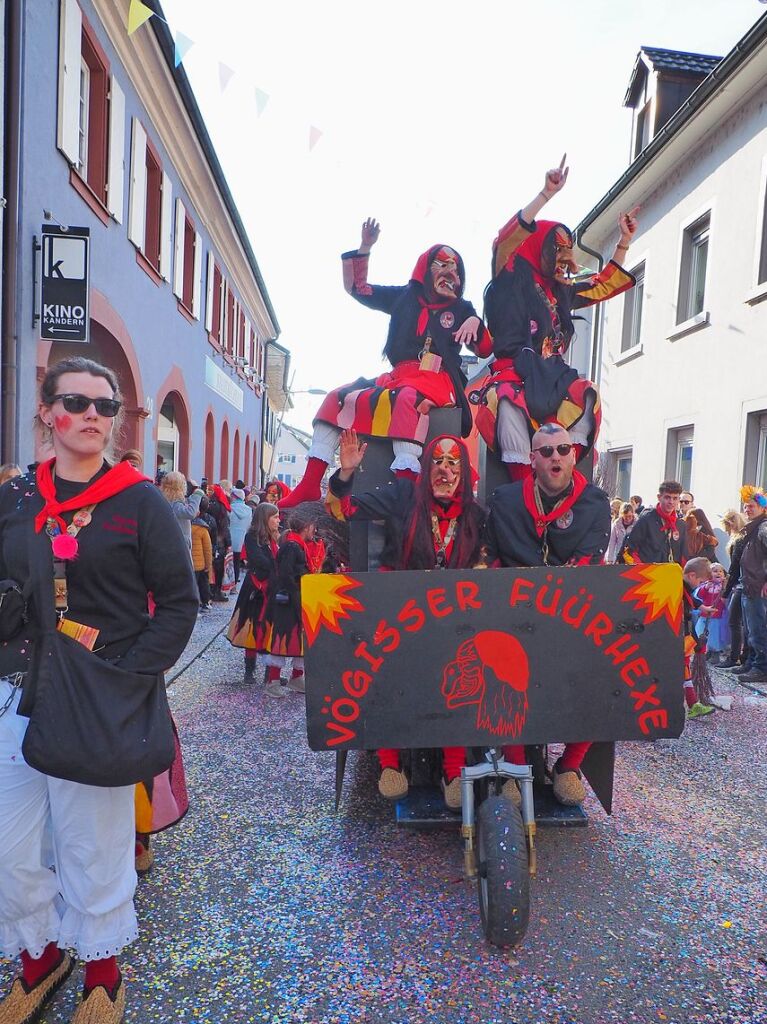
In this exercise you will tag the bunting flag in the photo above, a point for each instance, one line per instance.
(183, 45)
(138, 13)
(224, 75)
(314, 136)
(262, 98)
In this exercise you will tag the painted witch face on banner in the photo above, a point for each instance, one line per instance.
(445, 470)
(444, 275)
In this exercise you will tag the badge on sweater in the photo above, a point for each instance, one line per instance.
(447, 319)
(565, 520)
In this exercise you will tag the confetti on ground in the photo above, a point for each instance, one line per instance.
(265, 907)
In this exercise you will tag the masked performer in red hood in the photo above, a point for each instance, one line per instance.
(529, 305)
(429, 322)
(432, 523)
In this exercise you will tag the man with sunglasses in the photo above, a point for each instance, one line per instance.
(554, 517)
(658, 534)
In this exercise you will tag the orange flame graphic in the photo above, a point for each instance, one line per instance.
(325, 601)
(657, 591)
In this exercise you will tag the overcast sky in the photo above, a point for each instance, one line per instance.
(438, 119)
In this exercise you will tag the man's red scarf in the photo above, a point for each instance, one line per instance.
(117, 479)
(542, 520)
(669, 522)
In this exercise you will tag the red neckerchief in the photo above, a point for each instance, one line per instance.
(445, 516)
(220, 493)
(298, 539)
(420, 271)
(117, 479)
(669, 522)
(541, 521)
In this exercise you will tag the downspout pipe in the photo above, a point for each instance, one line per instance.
(9, 335)
(596, 328)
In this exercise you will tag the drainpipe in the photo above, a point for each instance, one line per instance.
(596, 327)
(9, 337)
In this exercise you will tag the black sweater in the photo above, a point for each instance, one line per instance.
(582, 533)
(650, 541)
(133, 546)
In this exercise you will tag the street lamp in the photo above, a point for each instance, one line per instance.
(288, 394)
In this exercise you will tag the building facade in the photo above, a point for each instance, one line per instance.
(110, 139)
(679, 359)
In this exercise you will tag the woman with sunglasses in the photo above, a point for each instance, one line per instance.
(116, 539)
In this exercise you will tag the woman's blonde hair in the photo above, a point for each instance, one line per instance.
(734, 519)
(173, 486)
(8, 470)
(626, 507)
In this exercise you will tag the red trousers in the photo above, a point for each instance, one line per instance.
(570, 761)
(453, 759)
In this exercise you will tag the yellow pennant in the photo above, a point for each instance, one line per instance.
(137, 15)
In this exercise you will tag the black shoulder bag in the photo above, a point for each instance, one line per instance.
(90, 721)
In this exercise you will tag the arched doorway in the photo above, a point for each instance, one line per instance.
(173, 434)
(236, 456)
(246, 462)
(210, 446)
(224, 463)
(255, 479)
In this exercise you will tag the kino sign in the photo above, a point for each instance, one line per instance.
(64, 284)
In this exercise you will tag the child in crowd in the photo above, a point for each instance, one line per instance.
(697, 572)
(713, 611)
(202, 560)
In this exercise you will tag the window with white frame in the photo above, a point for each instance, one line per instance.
(755, 456)
(632, 311)
(679, 455)
(763, 243)
(91, 114)
(623, 473)
(692, 276)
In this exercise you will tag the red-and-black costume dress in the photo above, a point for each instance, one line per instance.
(529, 317)
(571, 529)
(284, 636)
(395, 504)
(249, 625)
(397, 403)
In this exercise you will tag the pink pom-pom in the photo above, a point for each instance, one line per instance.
(64, 546)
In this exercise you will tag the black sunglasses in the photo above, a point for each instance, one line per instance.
(547, 450)
(79, 403)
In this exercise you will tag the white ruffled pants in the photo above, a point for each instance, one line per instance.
(67, 857)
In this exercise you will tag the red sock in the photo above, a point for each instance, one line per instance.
(519, 470)
(32, 969)
(406, 474)
(102, 972)
(573, 754)
(388, 759)
(690, 695)
(308, 488)
(272, 673)
(514, 754)
(453, 759)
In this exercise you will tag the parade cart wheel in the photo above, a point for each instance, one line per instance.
(503, 879)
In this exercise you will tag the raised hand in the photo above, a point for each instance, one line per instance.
(371, 229)
(556, 178)
(351, 451)
(627, 223)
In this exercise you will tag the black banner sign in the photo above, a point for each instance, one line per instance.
(64, 283)
(495, 656)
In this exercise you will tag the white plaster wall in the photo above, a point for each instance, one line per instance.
(712, 377)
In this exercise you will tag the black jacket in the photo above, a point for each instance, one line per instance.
(650, 541)
(132, 547)
(513, 540)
